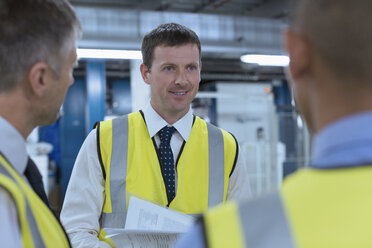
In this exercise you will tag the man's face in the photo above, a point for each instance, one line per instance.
(59, 86)
(174, 79)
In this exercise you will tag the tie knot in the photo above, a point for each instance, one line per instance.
(165, 134)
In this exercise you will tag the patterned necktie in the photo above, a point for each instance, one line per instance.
(167, 161)
(34, 178)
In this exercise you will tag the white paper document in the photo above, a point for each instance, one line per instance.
(141, 239)
(144, 215)
(150, 225)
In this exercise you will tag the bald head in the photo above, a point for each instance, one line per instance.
(340, 31)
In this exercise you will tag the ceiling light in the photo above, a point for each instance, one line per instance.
(108, 54)
(265, 60)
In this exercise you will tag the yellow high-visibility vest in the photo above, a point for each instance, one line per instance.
(38, 226)
(322, 208)
(131, 166)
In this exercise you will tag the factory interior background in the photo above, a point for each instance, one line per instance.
(250, 100)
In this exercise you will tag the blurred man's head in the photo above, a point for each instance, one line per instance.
(328, 39)
(37, 52)
(33, 31)
(340, 30)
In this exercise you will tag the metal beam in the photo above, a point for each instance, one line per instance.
(267, 9)
(204, 5)
(231, 35)
(95, 93)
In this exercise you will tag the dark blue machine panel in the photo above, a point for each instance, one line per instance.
(287, 127)
(72, 129)
(121, 96)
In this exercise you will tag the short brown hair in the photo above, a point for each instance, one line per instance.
(170, 34)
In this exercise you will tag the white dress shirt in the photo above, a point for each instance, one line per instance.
(13, 147)
(85, 193)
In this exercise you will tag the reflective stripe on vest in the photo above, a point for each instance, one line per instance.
(35, 232)
(265, 217)
(260, 223)
(118, 173)
(216, 172)
(118, 170)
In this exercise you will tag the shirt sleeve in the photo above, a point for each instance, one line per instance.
(10, 235)
(193, 238)
(84, 198)
(239, 188)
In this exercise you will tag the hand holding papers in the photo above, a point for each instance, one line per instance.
(150, 225)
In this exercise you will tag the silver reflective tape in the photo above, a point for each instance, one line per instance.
(38, 241)
(118, 172)
(265, 224)
(216, 165)
(5, 172)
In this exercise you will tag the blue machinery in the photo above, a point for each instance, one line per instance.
(85, 104)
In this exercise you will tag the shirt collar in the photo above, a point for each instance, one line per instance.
(13, 146)
(155, 122)
(346, 142)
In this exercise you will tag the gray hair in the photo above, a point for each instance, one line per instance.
(32, 31)
(341, 32)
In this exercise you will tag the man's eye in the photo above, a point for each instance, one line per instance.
(168, 68)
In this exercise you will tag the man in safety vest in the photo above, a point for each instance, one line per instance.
(162, 153)
(329, 203)
(37, 55)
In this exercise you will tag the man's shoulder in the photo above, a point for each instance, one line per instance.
(228, 135)
(124, 117)
(209, 124)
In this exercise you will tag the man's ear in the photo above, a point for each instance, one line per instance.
(298, 50)
(37, 78)
(145, 72)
